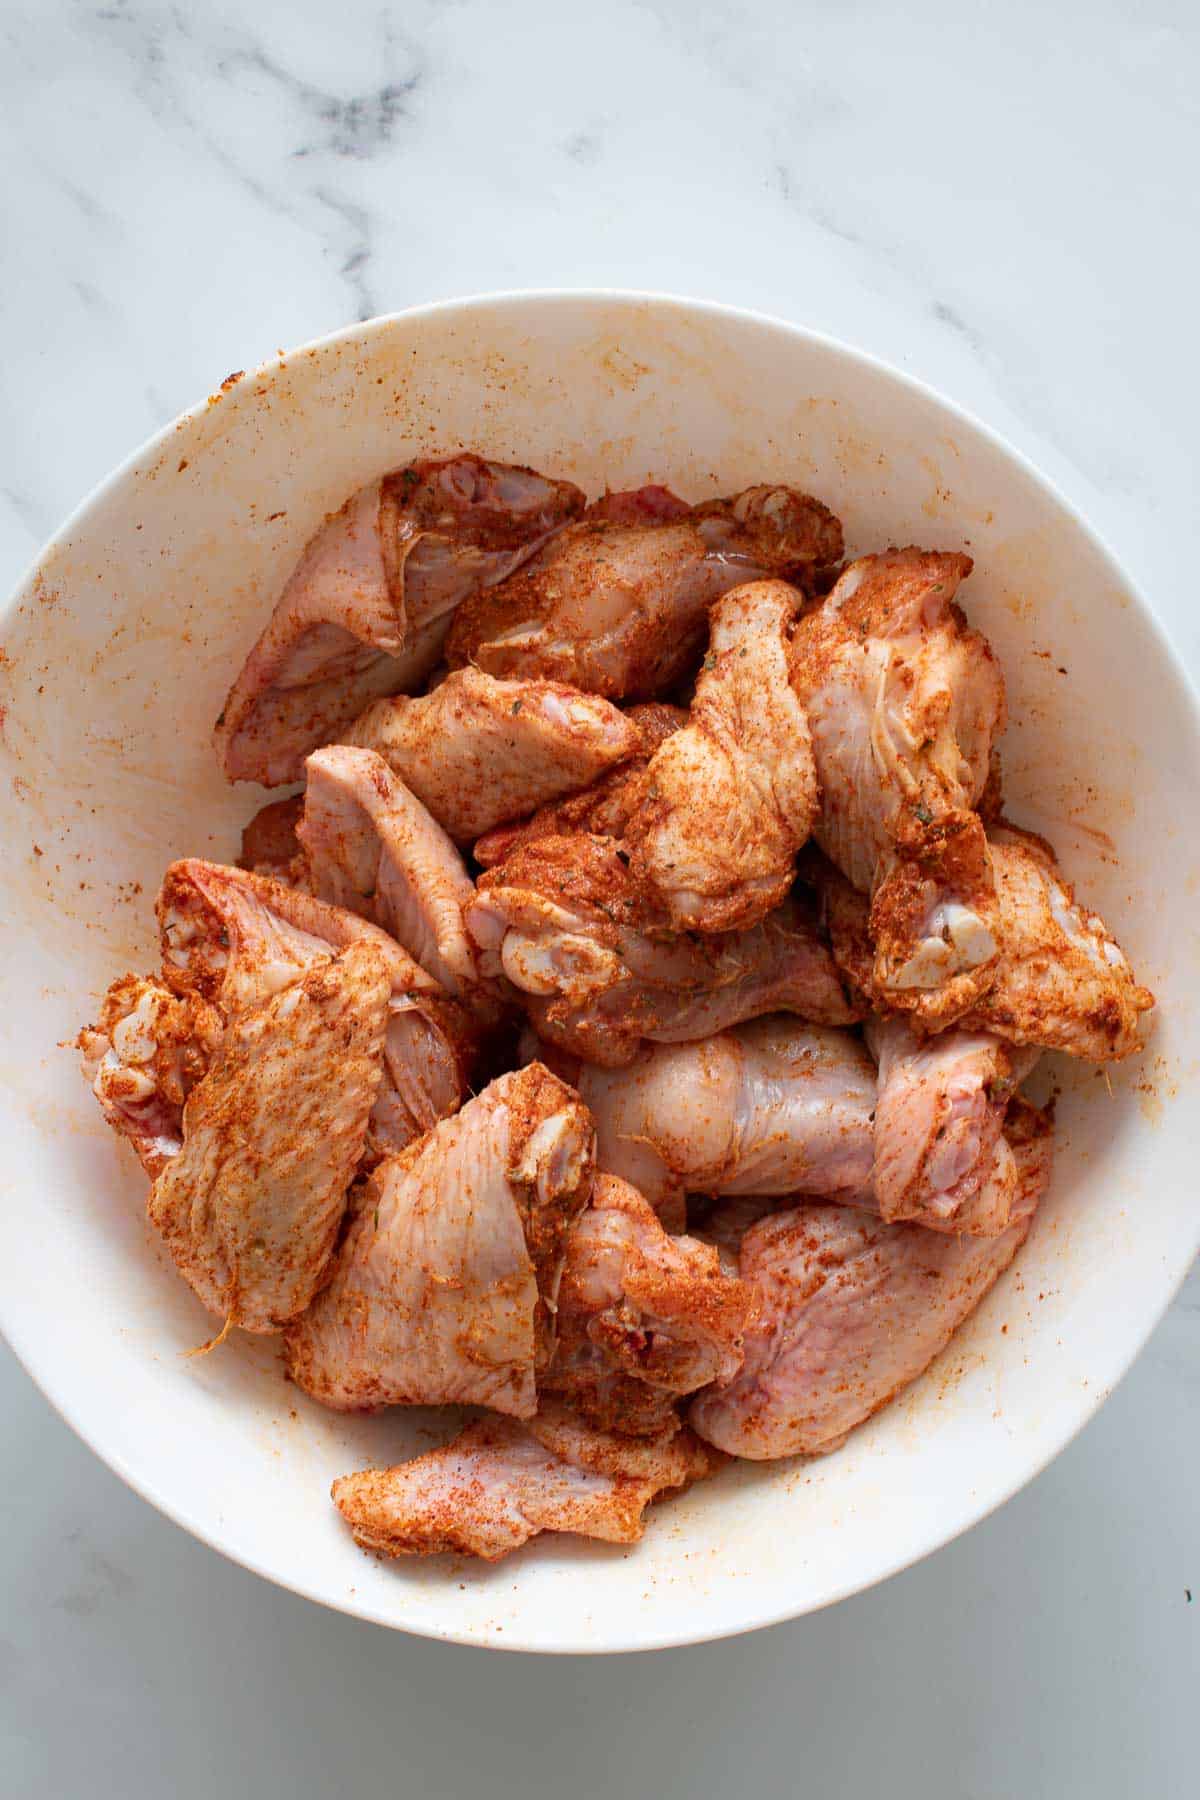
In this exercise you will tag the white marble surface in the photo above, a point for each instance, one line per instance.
(1001, 200)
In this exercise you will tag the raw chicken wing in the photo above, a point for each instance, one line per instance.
(229, 940)
(730, 799)
(772, 1107)
(370, 846)
(850, 1310)
(940, 1157)
(367, 609)
(500, 1483)
(477, 751)
(233, 938)
(619, 609)
(143, 1057)
(1063, 981)
(606, 806)
(904, 701)
(643, 1317)
(445, 1285)
(567, 923)
(250, 1206)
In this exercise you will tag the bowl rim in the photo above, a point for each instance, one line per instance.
(57, 1394)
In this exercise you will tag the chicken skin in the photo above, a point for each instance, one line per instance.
(605, 807)
(904, 701)
(772, 1107)
(619, 609)
(940, 1158)
(731, 798)
(445, 1285)
(643, 1317)
(367, 609)
(477, 751)
(501, 1482)
(849, 1310)
(251, 1205)
(371, 847)
(568, 925)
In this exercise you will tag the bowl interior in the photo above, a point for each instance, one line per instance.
(116, 656)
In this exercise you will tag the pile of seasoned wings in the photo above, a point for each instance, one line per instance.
(619, 1027)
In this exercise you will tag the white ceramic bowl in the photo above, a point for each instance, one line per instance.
(119, 650)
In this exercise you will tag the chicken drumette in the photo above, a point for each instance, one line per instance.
(773, 1107)
(599, 968)
(619, 608)
(729, 800)
(904, 701)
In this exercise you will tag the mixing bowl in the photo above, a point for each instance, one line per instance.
(117, 654)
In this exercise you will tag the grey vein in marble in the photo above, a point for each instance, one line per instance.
(323, 126)
(357, 126)
(355, 264)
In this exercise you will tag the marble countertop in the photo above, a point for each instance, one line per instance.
(1001, 201)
